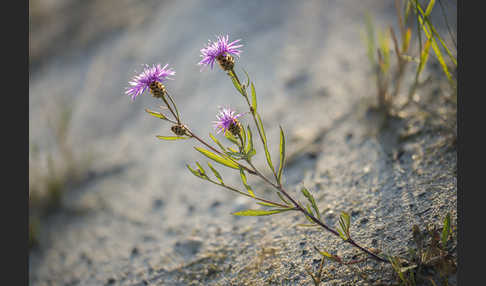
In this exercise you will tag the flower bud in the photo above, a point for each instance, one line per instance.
(235, 127)
(157, 89)
(179, 130)
(226, 61)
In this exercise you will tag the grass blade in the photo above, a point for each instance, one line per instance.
(406, 40)
(424, 56)
(434, 34)
(429, 8)
(446, 230)
(436, 49)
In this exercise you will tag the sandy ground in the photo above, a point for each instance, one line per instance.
(142, 219)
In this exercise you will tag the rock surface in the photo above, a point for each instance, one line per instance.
(143, 219)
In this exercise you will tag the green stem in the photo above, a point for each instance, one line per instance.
(175, 107)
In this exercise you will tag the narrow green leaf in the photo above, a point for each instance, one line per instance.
(233, 151)
(217, 158)
(231, 138)
(247, 78)
(217, 142)
(268, 204)
(282, 198)
(265, 146)
(429, 8)
(282, 155)
(309, 209)
(341, 234)
(156, 114)
(253, 98)
(344, 223)
(194, 172)
(243, 135)
(327, 254)
(245, 182)
(305, 192)
(249, 145)
(259, 212)
(446, 230)
(236, 84)
(216, 173)
(201, 169)
(347, 221)
(171, 138)
(311, 199)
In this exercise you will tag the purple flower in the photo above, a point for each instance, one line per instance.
(219, 48)
(226, 118)
(141, 82)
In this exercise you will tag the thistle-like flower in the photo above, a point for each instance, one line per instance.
(220, 51)
(151, 77)
(227, 120)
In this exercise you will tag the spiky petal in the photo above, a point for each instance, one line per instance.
(142, 81)
(221, 47)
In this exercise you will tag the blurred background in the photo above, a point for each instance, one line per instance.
(107, 197)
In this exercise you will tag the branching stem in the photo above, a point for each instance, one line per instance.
(297, 206)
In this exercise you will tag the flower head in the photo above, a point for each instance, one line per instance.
(141, 82)
(227, 119)
(220, 48)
